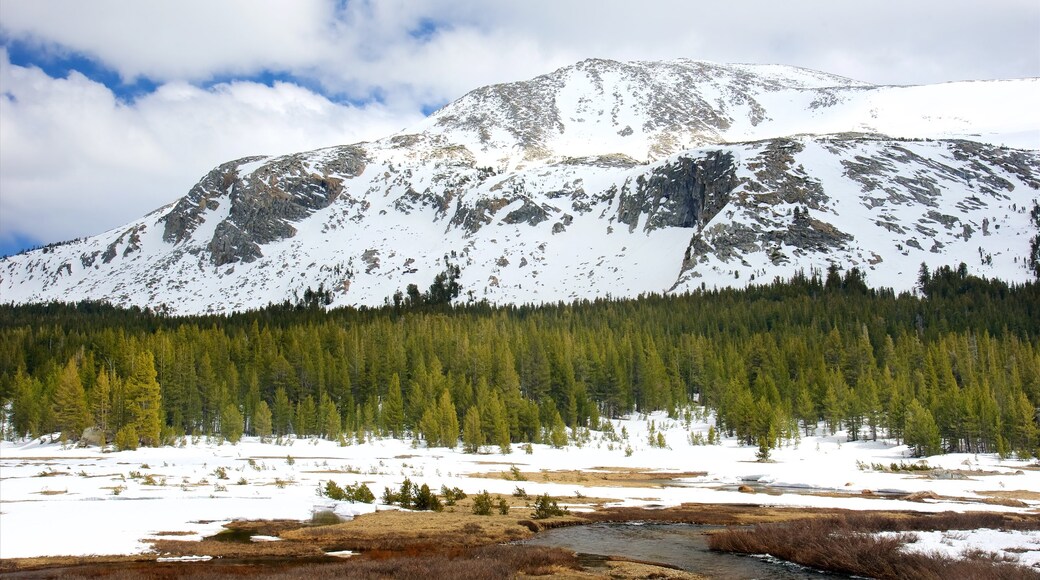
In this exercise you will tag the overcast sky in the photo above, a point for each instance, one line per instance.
(112, 108)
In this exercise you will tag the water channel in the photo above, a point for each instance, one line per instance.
(683, 546)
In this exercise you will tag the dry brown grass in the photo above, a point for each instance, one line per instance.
(419, 531)
(597, 477)
(709, 514)
(845, 544)
(1016, 494)
(484, 563)
(458, 544)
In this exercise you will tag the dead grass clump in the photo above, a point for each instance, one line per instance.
(708, 514)
(400, 530)
(599, 477)
(847, 544)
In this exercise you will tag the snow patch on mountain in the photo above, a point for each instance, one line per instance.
(598, 179)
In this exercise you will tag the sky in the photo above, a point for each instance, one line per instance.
(110, 109)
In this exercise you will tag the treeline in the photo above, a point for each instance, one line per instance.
(956, 368)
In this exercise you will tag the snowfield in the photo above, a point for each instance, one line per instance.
(64, 500)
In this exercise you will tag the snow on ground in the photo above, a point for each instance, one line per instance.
(60, 500)
(1022, 548)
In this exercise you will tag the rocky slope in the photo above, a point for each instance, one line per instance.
(602, 178)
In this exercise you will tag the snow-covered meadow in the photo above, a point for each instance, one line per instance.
(65, 500)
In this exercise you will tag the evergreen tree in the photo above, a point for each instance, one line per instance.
(100, 400)
(472, 433)
(558, 434)
(144, 399)
(281, 413)
(393, 408)
(448, 421)
(231, 423)
(921, 432)
(70, 403)
(262, 422)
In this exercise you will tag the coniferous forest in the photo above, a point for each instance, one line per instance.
(953, 367)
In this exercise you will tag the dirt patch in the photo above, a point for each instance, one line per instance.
(1017, 494)
(597, 477)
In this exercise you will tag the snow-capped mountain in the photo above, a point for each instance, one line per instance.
(599, 178)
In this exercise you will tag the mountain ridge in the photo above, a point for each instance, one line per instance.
(663, 177)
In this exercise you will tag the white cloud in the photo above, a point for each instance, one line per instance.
(77, 161)
(183, 39)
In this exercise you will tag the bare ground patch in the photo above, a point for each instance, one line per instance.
(596, 477)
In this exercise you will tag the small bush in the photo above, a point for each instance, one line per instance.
(515, 474)
(356, 493)
(453, 495)
(482, 504)
(520, 493)
(412, 496)
(221, 473)
(546, 507)
(503, 506)
(126, 439)
(426, 500)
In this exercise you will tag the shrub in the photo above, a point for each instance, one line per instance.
(453, 495)
(425, 500)
(503, 506)
(521, 493)
(412, 496)
(482, 504)
(546, 507)
(126, 439)
(515, 474)
(357, 493)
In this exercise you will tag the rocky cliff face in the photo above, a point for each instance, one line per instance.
(601, 178)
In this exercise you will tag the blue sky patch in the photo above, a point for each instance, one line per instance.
(15, 243)
(59, 64)
(425, 30)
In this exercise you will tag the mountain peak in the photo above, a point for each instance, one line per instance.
(602, 177)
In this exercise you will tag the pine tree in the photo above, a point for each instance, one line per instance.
(921, 432)
(231, 423)
(806, 411)
(1022, 423)
(145, 399)
(500, 425)
(70, 403)
(281, 413)
(430, 428)
(448, 421)
(101, 400)
(393, 408)
(558, 434)
(472, 433)
(262, 421)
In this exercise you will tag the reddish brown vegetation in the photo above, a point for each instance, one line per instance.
(485, 563)
(846, 544)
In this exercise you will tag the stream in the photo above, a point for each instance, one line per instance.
(683, 546)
